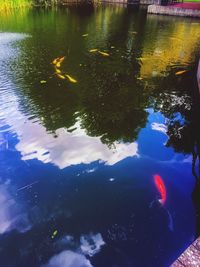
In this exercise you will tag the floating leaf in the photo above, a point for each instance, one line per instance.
(93, 50)
(180, 72)
(43, 81)
(72, 80)
(104, 54)
(54, 234)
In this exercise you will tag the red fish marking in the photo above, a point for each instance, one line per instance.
(161, 188)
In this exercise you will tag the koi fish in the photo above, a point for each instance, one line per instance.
(180, 72)
(104, 54)
(58, 64)
(84, 35)
(112, 47)
(43, 81)
(61, 59)
(161, 188)
(60, 76)
(93, 50)
(72, 80)
(58, 71)
(55, 60)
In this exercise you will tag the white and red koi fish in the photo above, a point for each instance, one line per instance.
(161, 188)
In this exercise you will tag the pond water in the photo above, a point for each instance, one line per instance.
(79, 153)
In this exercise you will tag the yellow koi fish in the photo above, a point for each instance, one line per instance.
(104, 54)
(72, 80)
(93, 50)
(43, 81)
(112, 47)
(58, 61)
(60, 76)
(55, 61)
(58, 64)
(180, 72)
(84, 35)
(58, 71)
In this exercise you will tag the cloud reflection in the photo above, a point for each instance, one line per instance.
(68, 259)
(34, 142)
(12, 215)
(159, 127)
(91, 244)
(69, 148)
(88, 245)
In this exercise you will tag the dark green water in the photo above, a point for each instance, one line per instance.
(77, 160)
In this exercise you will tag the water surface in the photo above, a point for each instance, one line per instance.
(78, 159)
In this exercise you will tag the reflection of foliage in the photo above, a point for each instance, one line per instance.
(109, 99)
(182, 111)
(113, 108)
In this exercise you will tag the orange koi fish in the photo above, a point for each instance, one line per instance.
(161, 188)
(180, 72)
(61, 59)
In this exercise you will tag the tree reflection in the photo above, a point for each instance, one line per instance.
(183, 131)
